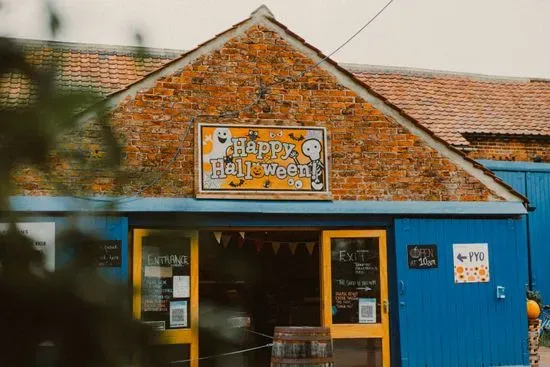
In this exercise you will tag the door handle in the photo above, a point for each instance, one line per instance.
(385, 306)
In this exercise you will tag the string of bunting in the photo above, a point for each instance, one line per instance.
(224, 239)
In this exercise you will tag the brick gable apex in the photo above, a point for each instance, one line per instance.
(263, 19)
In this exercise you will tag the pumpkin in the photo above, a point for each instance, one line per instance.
(533, 309)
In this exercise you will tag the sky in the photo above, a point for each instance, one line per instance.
(495, 37)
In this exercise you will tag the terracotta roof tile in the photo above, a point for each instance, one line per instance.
(454, 105)
(82, 66)
(450, 105)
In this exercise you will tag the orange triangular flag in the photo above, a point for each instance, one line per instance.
(292, 246)
(218, 236)
(276, 246)
(225, 240)
(310, 246)
(258, 246)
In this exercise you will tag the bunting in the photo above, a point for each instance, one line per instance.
(258, 246)
(292, 246)
(224, 239)
(310, 246)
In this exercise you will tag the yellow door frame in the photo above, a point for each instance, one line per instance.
(178, 336)
(365, 331)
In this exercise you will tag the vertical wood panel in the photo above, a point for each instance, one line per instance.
(448, 324)
(538, 188)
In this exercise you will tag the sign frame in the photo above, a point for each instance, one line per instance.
(471, 263)
(419, 265)
(356, 331)
(265, 194)
(190, 334)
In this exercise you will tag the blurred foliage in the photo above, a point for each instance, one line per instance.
(72, 311)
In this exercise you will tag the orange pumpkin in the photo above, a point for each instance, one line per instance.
(533, 309)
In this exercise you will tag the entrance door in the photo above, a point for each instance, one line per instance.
(355, 296)
(166, 296)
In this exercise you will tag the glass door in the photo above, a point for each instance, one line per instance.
(355, 296)
(166, 293)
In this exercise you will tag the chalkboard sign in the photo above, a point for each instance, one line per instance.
(355, 280)
(109, 253)
(422, 256)
(165, 278)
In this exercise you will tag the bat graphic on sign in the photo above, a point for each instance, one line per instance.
(236, 184)
(296, 138)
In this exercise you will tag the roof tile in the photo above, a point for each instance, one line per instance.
(453, 105)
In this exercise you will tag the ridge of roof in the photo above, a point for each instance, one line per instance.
(129, 50)
(404, 70)
(264, 17)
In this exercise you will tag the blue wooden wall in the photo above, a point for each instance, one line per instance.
(533, 180)
(538, 192)
(446, 324)
(106, 227)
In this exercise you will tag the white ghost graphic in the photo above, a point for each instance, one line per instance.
(221, 140)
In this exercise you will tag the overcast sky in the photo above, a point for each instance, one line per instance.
(498, 37)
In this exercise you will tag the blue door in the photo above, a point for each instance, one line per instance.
(533, 181)
(443, 323)
(538, 192)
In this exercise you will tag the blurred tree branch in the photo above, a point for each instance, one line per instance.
(84, 316)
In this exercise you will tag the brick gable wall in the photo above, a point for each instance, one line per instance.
(373, 157)
(526, 149)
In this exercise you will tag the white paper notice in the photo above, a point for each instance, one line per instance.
(43, 235)
(367, 310)
(178, 314)
(181, 286)
(471, 263)
(158, 271)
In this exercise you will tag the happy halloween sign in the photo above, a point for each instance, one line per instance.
(252, 158)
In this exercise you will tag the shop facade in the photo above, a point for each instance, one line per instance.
(288, 191)
(502, 122)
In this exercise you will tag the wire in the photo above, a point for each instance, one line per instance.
(336, 50)
(260, 334)
(269, 345)
(260, 94)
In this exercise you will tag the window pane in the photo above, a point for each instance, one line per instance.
(355, 281)
(357, 352)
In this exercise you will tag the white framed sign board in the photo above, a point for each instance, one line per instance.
(471, 263)
(43, 236)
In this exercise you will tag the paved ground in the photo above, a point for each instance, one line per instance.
(544, 356)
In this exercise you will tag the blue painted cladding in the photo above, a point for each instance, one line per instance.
(538, 189)
(446, 324)
(533, 180)
(106, 227)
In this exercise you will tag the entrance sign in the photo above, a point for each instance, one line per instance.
(166, 266)
(422, 256)
(471, 263)
(166, 289)
(258, 160)
(43, 236)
